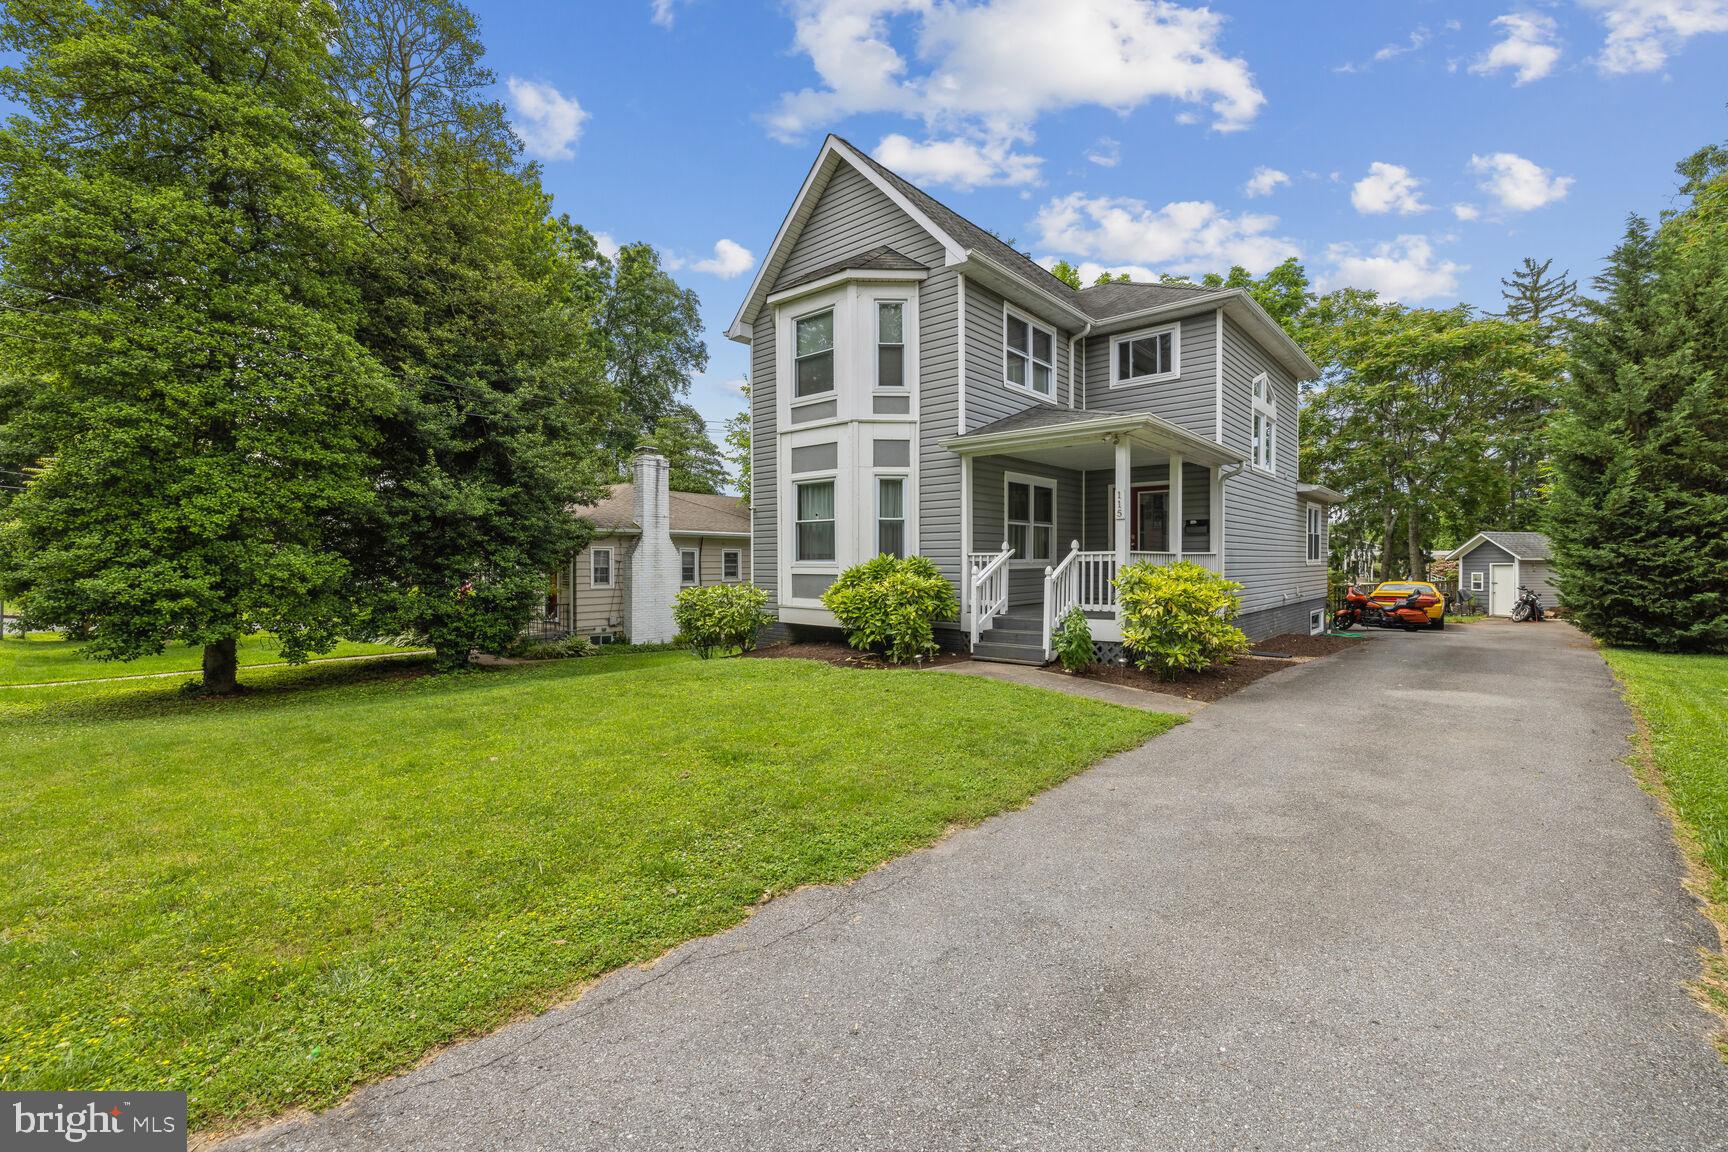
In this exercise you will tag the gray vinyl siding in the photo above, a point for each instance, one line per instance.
(1279, 621)
(989, 396)
(989, 526)
(764, 458)
(1537, 575)
(1190, 400)
(599, 610)
(1477, 560)
(1265, 536)
(938, 487)
(852, 216)
(1196, 502)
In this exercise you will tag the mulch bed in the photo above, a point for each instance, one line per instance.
(1217, 683)
(842, 656)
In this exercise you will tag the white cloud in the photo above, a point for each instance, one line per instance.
(1387, 188)
(1186, 236)
(962, 164)
(664, 12)
(1264, 182)
(984, 71)
(731, 259)
(1090, 270)
(1519, 185)
(548, 121)
(1418, 38)
(1643, 33)
(1107, 153)
(1404, 270)
(607, 245)
(1529, 47)
(1466, 212)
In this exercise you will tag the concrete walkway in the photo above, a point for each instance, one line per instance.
(1406, 897)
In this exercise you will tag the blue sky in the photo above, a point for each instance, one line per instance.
(1422, 149)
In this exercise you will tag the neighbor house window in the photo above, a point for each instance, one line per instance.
(1475, 581)
(1029, 355)
(890, 344)
(731, 564)
(1031, 519)
(815, 354)
(891, 515)
(815, 525)
(600, 567)
(1316, 533)
(1144, 356)
(1265, 426)
(687, 560)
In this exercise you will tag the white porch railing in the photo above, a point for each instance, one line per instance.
(1061, 592)
(1087, 581)
(989, 589)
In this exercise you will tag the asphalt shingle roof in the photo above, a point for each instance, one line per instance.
(1524, 545)
(1039, 417)
(881, 259)
(1102, 301)
(693, 513)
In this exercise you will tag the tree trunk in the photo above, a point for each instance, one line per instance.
(1389, 524)
(221, 667)
(1418, 570)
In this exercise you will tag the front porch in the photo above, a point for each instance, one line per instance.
(1055, 503)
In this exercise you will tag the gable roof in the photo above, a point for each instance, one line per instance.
(692, 513)
(1521, 545)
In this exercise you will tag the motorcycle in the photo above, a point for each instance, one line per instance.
(1528, 607)
(1409, 612)
(1352, 614)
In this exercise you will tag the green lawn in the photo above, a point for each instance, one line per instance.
(1683, 701)
(46, 657)
(267, 899)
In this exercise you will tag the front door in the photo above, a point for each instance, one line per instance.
(1500, 590)
(1151, 527)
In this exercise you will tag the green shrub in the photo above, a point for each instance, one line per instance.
(569, 646)
(891, 606)
(1177, 617)
(1073, 641)
(721, 616)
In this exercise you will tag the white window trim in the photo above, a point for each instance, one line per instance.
(834, 310)
(1174, 373)
(1310, 512)
(1032, 525)
(798, 563)
(904, 388)
(1316, 621)
(1011, 313)
(1478, 583)
(737, 557)
(696, 567)
(611, 567)
(905, 517)
(1269, 409)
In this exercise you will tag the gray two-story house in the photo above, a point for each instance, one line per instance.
(917, 386)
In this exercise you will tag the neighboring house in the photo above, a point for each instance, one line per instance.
(649, 544)
(917, 386)
(1492, 566)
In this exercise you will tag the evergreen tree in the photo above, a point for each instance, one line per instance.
(696, 462)
(482, 304)
(177, 237)
(1639, 509)
(1532, 296)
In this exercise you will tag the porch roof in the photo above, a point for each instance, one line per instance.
(1090, 435)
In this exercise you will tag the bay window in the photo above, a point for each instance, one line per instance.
(890, 344)
(814, 353)
(814, 532)
(891, 515)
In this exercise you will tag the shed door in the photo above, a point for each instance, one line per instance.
(1501, 590)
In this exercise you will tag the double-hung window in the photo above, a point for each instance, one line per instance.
(1265, 426)
(1143, 357)
(814, 533)
(687, 565)
(890, 344)
(814, 353)
(1476, 581)
(600, 567)
(1032, 519)
(891, 515)
(1316, 533)
(731, 564)
(1029, 356)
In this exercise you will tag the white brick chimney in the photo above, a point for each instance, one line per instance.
(654, 566)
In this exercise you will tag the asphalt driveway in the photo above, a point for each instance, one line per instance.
(1407, 897)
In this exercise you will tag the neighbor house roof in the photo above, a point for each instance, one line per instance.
(1523, 545)
(693, 513)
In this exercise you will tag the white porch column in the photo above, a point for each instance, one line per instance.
(1119, 514)
(1215, 516)
(966, 605)
(1176, 505)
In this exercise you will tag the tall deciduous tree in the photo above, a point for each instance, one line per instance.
(1639, 510)
(738, 442)
(482, 305)
(651, 333)
(177, 237)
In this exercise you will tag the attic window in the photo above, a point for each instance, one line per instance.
(1028, 355)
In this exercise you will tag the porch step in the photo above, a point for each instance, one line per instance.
(1009, 653)
(1013, 636)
